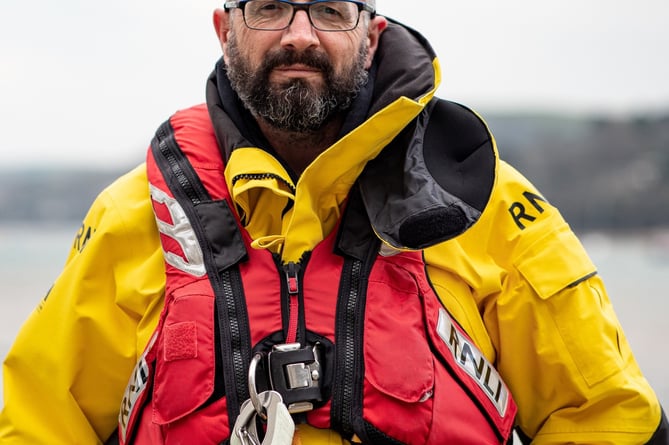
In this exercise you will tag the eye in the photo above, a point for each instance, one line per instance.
(329, 10)
(268, 7)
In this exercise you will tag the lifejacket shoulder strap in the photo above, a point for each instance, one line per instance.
(185, 158)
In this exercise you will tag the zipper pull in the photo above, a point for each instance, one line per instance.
(293, 285)
(291, 270)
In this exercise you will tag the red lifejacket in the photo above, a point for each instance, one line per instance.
(397, 368)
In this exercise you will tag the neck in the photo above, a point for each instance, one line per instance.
(299, 149)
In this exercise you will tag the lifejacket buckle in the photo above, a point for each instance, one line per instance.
(295, 373)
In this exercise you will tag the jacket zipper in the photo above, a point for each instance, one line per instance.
(260, 176)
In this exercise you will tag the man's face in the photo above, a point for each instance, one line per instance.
(297, 78)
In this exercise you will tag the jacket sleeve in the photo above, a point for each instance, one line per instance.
(548, 323)
(65, 375)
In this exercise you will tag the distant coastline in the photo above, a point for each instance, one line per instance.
(603, 173)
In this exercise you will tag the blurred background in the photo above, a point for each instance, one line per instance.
(577, 94)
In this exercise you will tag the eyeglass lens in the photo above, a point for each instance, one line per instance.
(325, 16)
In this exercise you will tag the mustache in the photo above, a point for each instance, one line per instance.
(308, 58)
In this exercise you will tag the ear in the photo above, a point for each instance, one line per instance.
(222, 26)
(376, 26)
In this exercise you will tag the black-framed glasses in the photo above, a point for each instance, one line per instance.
(324, 15)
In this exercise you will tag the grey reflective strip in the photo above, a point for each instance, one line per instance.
(471, 359)
(136, 386)
(182, 232)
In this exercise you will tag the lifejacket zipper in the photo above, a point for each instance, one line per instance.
(291, 271)
(348, 331)
(171, 152)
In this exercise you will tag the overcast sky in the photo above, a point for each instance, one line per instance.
(87, 82)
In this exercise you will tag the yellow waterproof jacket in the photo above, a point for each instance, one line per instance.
(518, 281)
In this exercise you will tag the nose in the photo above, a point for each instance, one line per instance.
(300, 34)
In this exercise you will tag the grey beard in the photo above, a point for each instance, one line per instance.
(296, 106)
